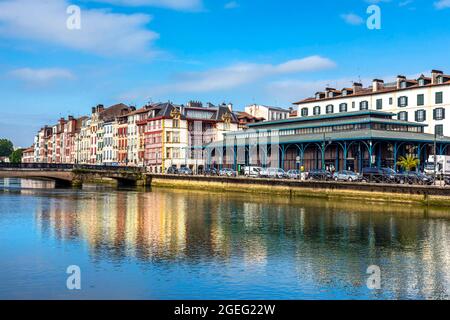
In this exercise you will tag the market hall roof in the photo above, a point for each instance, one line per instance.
(351, 126)
(335, 118)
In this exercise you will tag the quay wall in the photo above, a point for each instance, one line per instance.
(384, 193)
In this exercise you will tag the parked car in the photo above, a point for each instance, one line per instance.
(210, 172)
(226, 172)
(172, 170)
(412, 177)
(294, 174)
(273, 173)
(379, 175)
(185, 171)
(447, 181)
(323, 175)
(252, 171)
(345, 175)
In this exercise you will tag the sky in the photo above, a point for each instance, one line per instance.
(271, 52)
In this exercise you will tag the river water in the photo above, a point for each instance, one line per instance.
(171, 244)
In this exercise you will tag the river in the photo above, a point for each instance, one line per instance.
(174, 244)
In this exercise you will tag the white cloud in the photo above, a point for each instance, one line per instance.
(232, 76)
(352, 19)
(170, 4)
(405, 3)
(102, 32)
(231, 5)
(442, 4)
(41, 76)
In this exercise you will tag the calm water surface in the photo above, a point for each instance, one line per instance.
(169, 244)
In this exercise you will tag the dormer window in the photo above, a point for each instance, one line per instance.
(421, 82)
(318, 96)
(440, 80)
(403, 85)
(344, 93)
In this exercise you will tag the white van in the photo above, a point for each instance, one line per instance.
(442, 165)
(252, 171)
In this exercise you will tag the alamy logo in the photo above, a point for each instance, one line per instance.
(73, 22)
(374, 20)
(74, 280)
(374, 280)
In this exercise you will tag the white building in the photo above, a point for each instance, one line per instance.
(109, 149)
(425, 100)
(268, 113)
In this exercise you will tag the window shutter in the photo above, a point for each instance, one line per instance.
(443, 113)
(416, 115)
(399, 102)
(434, 114)
(424, 115)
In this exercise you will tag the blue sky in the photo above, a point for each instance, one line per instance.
(243, 51)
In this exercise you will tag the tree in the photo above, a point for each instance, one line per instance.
(6, 148)
(408, 163)
(16, 156)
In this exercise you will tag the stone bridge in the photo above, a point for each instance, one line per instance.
(66, 175)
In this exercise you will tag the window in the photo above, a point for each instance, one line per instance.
(330, 108)
(343, 107)
(403, 84)
(440, 80)
(304, 112)
(353, 105)
(421, 115)
(439, 129)
(403, 102)
(420, 99)
(316, 111)
(391, 101)
(379, 104)
(176, 137)
(439, 98)
(439, 114)
(402, 116)
(364, 105)
(421, 82)
(176, 123)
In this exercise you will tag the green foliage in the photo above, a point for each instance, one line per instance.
(16, 156)
(6, 148)
(408, 163)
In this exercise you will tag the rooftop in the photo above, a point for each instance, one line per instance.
(438, 78)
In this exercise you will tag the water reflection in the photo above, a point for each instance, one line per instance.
(307, 246)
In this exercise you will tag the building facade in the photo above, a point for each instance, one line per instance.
(267, 113)
(424, 100)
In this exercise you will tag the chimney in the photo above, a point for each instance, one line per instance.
(70, 118)
(357, 87)
(434, 75)
(100, 108)
(94, 110)
(400, 79)
(377, 85)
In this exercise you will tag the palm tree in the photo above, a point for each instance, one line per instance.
(408, 163)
